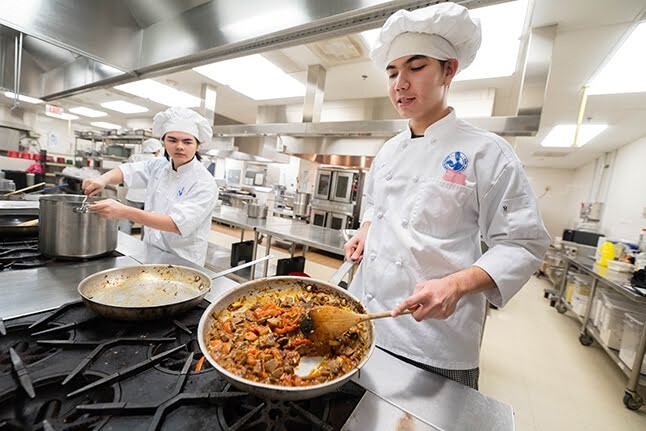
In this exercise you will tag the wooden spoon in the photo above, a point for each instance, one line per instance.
(326, 322)
(29, 223)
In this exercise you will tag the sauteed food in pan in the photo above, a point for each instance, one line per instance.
(259, 339)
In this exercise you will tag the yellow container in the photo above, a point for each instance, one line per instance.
(606, 252)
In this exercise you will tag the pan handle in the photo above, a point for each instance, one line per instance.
(244, 265)
(343, 270)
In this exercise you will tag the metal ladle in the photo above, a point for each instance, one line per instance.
(83, 208)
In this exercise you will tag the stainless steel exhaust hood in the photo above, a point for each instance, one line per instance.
(345, 143)
(119, 41)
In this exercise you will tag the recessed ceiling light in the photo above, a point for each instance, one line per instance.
(104, 125)
(160, 93)
(63, 116)
(255, 77)
(562, 135)
(87, 112)
(625, 71)
(124, 107)
(22, 98)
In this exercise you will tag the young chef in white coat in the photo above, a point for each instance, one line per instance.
(181, 193)
(136, 197)
(431, 192)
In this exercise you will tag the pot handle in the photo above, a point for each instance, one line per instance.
(244, 265)
(343, 270)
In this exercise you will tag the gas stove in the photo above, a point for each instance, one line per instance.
(69, 369)
(24, 254)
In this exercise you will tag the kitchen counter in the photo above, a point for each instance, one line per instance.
(415, 398)
(238, 217)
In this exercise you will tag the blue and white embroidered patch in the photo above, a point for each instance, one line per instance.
(456, 161)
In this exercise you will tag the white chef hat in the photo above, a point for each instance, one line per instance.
(182, 120)
(441, 31)
(151, 145)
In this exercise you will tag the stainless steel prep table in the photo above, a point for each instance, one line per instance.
(619, 282)
(306, 234)
(238, 218)
(415, 398)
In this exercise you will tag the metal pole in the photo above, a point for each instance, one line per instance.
(267, 249)
(588, 308)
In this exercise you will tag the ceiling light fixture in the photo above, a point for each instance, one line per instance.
(124, 107)
(269, 21)
(255, 77)
(562, 135)
(104, 125)
(160, 93)
(625, 69)
(63, 116)
(22, 98)
(87, 112)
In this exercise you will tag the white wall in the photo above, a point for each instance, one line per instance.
(626, 198)
(56, 136)
(553, 188)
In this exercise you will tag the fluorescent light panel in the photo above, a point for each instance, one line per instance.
(255, 77)
(625, 71)
(87, 112)
(104, 125)
(124, 107)
(160, 93)
(269, 21)
(562, 135)
(63, 116)
(502, 27)
(22, 98)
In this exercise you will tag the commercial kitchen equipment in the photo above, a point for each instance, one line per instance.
(68, 233)
(69, 368)
(618, 282)
(337, 198)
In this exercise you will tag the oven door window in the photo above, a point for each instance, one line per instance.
(319, 219)
(337, 221)
(323, 185)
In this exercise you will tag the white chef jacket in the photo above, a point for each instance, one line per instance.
(137, 194)
(424, 227)
(187, 195)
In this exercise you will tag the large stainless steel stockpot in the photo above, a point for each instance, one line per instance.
(69, 233)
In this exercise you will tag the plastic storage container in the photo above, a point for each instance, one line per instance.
(633, 325)
(611, 324)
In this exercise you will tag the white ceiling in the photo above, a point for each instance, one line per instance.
(588, 30)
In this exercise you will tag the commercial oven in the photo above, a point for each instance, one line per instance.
(323, 183)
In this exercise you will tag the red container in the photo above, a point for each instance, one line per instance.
(60, 160)
(25, 156)
(13, 154)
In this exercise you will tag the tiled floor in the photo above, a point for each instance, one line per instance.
(531, 359)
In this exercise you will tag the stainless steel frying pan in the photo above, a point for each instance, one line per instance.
(148, 292)
(263, 286)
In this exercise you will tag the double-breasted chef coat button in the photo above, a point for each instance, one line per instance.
(373, 256)
(415, 179)
(380, 215)
(389, 177)
(398, 263)
(369, 296)
(405, 222)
